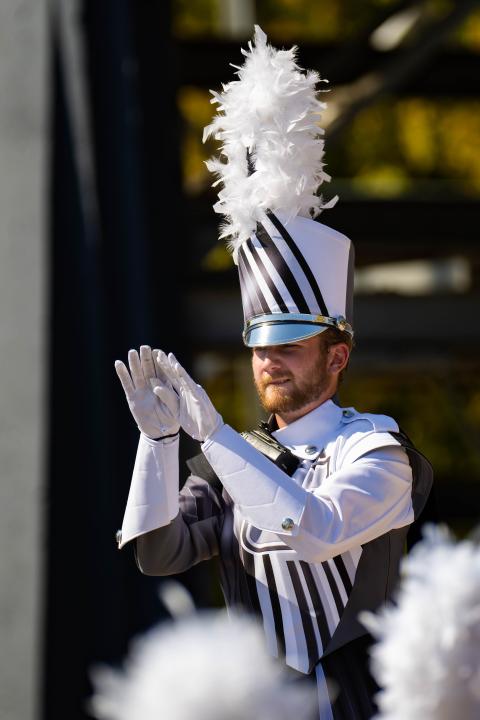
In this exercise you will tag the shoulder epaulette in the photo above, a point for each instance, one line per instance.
(378, 423)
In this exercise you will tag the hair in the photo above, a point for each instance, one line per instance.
(332, 336)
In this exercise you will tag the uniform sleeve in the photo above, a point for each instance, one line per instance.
(361, 501)
(153, 497)
(192, 536)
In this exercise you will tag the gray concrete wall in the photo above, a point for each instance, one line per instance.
(23, 322)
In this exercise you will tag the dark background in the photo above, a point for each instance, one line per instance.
(134, 259)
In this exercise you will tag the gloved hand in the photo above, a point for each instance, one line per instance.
(198, 416)
(156, 414)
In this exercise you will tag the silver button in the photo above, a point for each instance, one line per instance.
(347, 413)
(311, 449)
(287, 523)
(118, 537)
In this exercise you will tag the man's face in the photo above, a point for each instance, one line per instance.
(291, 377)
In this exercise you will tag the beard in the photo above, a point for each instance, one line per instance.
(297, 392)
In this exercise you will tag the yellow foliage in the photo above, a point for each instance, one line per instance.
(416, 133)
(395, 142)
(382, 181)
(196, 112)
(217, 259)
(459, 139)
(469, 34)
(194, 104)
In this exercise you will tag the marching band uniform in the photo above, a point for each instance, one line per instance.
(308, 550)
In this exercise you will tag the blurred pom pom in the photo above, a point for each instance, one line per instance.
(427, 659)
(204, 667)
(176, 599)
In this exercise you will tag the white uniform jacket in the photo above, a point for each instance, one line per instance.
(308, 551)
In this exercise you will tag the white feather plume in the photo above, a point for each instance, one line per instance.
(270, 113)
(427, 659)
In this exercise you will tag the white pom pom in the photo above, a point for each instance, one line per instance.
(271, 115)
(428, 657)
(207, 667)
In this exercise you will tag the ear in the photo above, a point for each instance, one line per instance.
(337, 358)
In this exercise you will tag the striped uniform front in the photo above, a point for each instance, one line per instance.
(301, 603)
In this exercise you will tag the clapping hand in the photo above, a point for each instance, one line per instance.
(197, 415)
(152, 400)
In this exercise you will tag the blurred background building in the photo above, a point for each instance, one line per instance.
(108, 240)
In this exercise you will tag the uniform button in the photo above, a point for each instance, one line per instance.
(347, 413)
(118, 537)
(287, 523)
(311, 449)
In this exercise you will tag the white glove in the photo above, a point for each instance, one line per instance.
(197, 416)
(156, 415)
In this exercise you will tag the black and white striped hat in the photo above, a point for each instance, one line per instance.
(295, 273)
(296, 280)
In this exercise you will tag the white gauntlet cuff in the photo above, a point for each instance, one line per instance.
(153, 497)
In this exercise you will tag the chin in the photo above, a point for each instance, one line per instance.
(275, 401)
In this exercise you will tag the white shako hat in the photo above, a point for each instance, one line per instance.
(296, 274)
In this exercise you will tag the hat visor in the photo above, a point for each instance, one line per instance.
(280, 333)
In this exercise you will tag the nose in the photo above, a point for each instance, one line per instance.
(268, 358)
